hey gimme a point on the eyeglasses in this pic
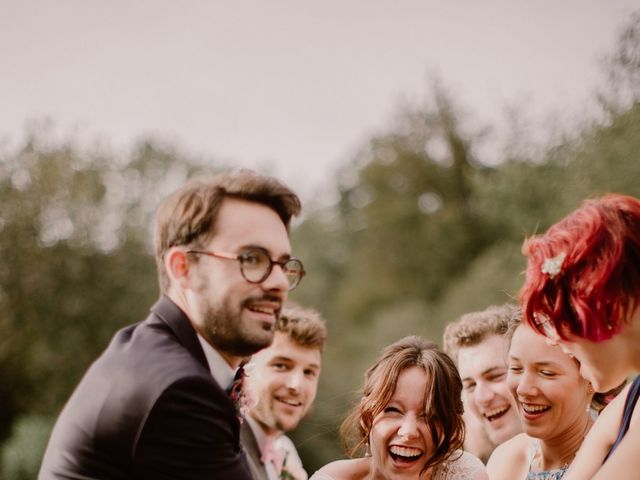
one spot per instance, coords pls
(256, 265)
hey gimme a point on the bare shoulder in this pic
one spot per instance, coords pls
(590, 457)
(598, 441)
(509, 458)
(513, 449)
(624, 459)
(350, 469)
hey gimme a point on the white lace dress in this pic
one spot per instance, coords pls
(459, 467)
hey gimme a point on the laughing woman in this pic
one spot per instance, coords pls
(409, 420)
(582, 291)
(553, 402)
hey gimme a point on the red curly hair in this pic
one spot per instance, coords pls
(595, 286)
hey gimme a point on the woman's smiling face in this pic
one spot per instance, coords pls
(550, 393)
(400, 436)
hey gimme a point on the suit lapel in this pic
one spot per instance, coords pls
(252, 449)
(181, 326)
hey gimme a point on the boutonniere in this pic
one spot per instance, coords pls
(240, 394)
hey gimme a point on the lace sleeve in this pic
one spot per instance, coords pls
(462, 467)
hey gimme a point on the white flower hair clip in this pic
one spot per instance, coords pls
(553, 266)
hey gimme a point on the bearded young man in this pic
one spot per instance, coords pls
(154, 405)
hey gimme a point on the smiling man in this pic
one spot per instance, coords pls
(282, 381)
(477, 344)
(155, 404)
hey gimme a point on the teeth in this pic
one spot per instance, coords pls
(530, 408)
(293, 403)
(268, 311)
(496, 411)
(405, 451)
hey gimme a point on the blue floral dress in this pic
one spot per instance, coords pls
(555, 474)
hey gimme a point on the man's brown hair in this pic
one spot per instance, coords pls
(305, 326)
(473, 328)
(188, 216)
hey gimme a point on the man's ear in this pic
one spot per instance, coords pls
(177, 266)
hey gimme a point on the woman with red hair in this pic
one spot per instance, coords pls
(582, 291)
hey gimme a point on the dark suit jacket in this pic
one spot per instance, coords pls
(148, 408)
(253, 452)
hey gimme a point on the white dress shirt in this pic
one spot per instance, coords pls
(218, 366)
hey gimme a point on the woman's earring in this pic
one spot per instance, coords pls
(367, 452)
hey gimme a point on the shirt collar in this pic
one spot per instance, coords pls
(258, 432)
(218, 366)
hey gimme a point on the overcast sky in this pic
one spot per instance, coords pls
(293, 85)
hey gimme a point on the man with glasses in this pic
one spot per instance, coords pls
(161, 401)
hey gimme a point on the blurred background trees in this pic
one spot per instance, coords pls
(421, 232)
(77, 265)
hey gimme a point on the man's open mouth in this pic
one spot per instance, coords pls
(496, 413)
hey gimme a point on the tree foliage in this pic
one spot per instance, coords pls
(74, 230)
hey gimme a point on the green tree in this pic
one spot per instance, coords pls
(21, 456)
(77, 263)
(410, 224)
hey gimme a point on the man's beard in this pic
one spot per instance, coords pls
(224, 330)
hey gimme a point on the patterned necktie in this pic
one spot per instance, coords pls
(235, 391)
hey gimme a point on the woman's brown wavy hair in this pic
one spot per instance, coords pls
(442, 399)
